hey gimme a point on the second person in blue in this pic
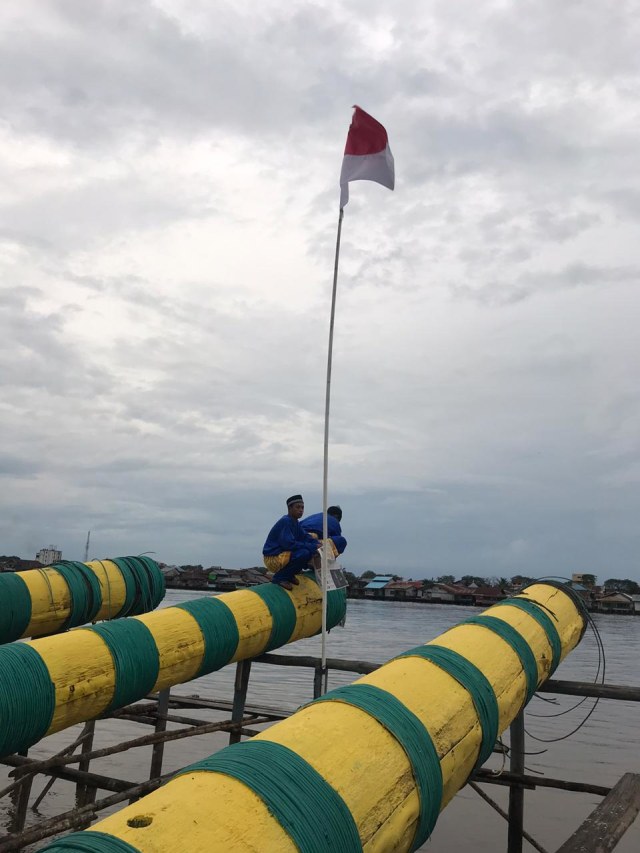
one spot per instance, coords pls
(313, 524)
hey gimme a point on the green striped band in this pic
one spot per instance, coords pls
(312, 813)
(412, 736)
(517, 643)
(15, 607)
(27, 698)
(89, 841)
(475, 682)
(283, 613)
(219, 631)
(144, 585)
(135, 656)
(336, 606)
(152, 580)
(130, 588)
(84, 591)
(544, 621)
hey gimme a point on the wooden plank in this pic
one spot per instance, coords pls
(531, 782)
(86, 793)
(106, 783)
(362, 667)
(243, 670)
(146, 740)
(178, 701)
(609, 821)
(516, 792)
(157, 752)
(585, 688)
(21, 800)
(630, 693)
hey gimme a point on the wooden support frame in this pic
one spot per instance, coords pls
(161, 726)
(516, 791)
(20, 797)
(243, 671)
(86, 793)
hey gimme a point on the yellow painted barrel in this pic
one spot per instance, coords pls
(369, 766)
(49, 684)
(68, 593)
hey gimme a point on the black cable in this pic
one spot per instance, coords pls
(507, 750)
(601, 663)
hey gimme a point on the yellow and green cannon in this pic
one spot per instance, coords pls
(49, 684)
(369, 766)
(46, 601)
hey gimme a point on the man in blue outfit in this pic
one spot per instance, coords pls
(288, 548)
(313, 524)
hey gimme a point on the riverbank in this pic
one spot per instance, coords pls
(471, 601)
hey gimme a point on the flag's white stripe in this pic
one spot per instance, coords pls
(377, 167)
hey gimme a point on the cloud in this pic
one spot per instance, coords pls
(167, 231)
(576, 275)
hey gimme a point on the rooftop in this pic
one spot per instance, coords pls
(379, 582)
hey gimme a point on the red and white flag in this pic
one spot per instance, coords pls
(367, 156)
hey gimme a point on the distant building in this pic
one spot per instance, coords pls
(402, 590)
(616, 602)
(483, 596)
(443, 593)
(584, 578)
(375, 587)
(357, 586)
(15, 564)
(47, 556)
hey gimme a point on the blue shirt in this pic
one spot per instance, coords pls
(287, 535)
(313, 524)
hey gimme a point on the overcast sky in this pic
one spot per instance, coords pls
(168, 209)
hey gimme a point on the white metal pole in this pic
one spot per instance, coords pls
(325, 478)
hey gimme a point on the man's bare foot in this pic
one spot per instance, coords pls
(285, 584)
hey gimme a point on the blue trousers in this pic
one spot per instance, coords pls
(293, 567)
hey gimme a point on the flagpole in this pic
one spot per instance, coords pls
(325, 477)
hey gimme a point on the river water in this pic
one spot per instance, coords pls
(604, 748)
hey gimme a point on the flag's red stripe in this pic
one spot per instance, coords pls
(366, 135)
